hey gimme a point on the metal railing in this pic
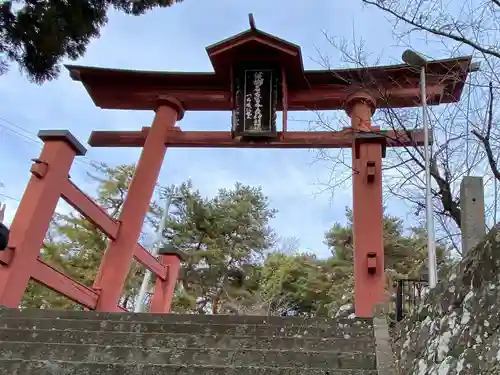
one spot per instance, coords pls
(410, 294)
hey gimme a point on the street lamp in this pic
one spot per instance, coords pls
(139, 307)
(414, 59)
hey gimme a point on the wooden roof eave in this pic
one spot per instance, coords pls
(125, 76)
(221, 54)
(386, 75)
(435, 68)
(266, 38)
(130, 89)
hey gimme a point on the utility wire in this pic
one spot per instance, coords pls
(32, 137)
(9, 197)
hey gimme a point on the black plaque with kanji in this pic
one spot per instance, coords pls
(256, 98)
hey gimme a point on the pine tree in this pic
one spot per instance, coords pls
(296, 284)
(222, 237)
(37, 35)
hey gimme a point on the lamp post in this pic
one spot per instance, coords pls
(414, 59)
(139, 306)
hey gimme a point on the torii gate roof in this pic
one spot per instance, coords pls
(392, 86)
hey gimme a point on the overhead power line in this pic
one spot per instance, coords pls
(29, 136)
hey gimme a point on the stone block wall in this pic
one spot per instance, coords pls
(457, 330)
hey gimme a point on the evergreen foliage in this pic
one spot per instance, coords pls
(38, 34)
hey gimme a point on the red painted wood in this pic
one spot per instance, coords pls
(368, 234)
(221, 139)
(397, 86)
(54, 279)
(32, 220)
(6, 256)
(88, 208)
(368, 231)
(325, 98)
(118, 257)
(145, 258)
(164, 289)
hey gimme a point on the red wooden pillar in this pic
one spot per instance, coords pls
(49, 174)
(367, 208)
(118, 257)
(164, 289)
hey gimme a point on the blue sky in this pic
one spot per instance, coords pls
(175, 39)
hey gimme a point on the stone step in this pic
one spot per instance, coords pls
(339, 330)
(172, 340)
(183, 318)
(23, 367)
(184, 356)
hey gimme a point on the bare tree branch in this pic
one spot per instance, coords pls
(485, 139)
(466, 142)
(440, 32)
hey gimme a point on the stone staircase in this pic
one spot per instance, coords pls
(48, 342)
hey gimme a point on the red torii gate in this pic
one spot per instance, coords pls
(255, 75)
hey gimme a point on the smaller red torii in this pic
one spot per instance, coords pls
(255, 75)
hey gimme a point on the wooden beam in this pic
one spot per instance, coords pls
(54, 279)
(327, 97)
(221, 139)
(325, 90)
(6, 256)
(88, 208)
(324, 97)
(145, 258)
